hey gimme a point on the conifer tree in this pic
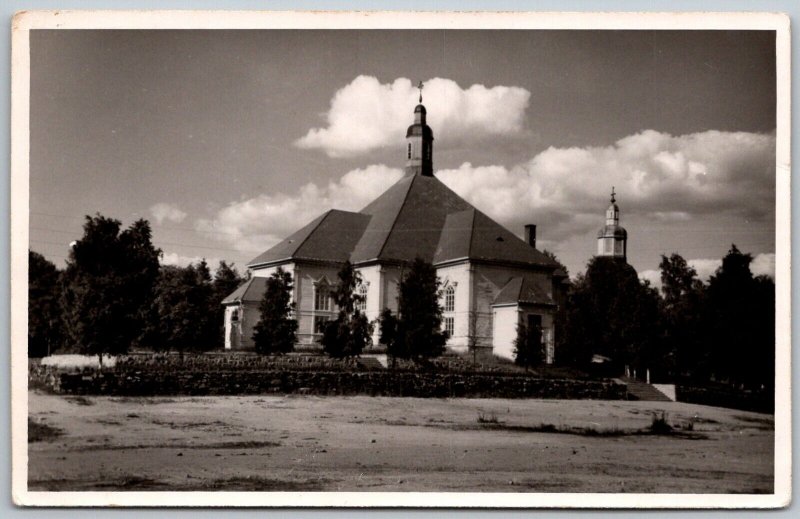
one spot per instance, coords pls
(276, 330)
(419, 335)
(351, 331)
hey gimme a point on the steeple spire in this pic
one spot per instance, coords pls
(612, 239)
(419, 142)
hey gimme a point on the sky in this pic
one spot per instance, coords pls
(228, 141)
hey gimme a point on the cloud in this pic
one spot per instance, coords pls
(255, 224)
(179, 260)
(366, 114)
(657, 176)
(762, 265)
(163, 212)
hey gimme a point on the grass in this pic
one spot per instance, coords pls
(487, 418)
(39, 432)
(79, 400)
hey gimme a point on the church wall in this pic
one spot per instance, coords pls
(489, 280)
(305, 277)
(505, 322)
(504, 330)
(382, 292)
(457, 276)
(239, 334)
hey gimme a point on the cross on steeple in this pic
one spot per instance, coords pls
(613, 199)
(420, 86)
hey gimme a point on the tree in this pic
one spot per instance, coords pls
(182, 304)
(681, 311)
(226, 280)
(351, 331)
(44, 313)
(107, 288)
(528, 350)
(276, 330)
(613, 314)
(739, 322)
(418, 335)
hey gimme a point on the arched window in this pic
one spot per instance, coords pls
(449, 299)
(322, 298)
(235, 315)
(409, 150)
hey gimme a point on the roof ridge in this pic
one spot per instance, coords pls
(397, 216)
(325, 215)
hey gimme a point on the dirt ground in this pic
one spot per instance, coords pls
(308, 443)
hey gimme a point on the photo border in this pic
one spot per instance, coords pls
(26, 21)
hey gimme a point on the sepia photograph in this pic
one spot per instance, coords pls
(400, 259)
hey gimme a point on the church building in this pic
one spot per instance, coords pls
(491, 280)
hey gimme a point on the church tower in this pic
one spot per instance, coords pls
(419, 142)
(612, 239)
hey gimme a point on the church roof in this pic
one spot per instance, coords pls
(251, 290)
(416, 217)
(473, 235)
(407, 220)
(329, 237)
(520, 290)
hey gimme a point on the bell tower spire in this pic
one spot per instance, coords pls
(419, 142)
(612, 239)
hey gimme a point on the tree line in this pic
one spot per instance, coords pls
(114, 295)
(722, 330)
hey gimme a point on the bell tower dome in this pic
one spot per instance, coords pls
(419, 142)
(612, 239)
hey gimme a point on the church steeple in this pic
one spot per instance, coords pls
(419, 142)
(612, 239)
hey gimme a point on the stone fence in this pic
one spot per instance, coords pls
(123, 381)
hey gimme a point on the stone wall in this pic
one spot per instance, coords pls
(135, 380)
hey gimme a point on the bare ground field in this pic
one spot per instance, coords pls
(309, 443)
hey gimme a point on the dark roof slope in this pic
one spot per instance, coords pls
(407, 220)
(525, 291)
(471, 234)
(330, 237)
(251, 290)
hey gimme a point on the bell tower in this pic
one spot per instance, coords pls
(612, 239)
(419, 142)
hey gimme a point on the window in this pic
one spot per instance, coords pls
(361, 306)
(449, 299)
(319, 323)
(322, 299)
(449, 325)
(235, 315)
(409, 150)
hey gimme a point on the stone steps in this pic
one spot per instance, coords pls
(642, 391)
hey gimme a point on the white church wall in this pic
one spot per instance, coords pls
(457, 276)
(306, 277)
(504, 330)
(239, 334)
(382, 292)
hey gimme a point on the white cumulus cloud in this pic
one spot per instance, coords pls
(164, 212)
(179, 260)
(656, 176)
(367, 114)
(255, 224)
